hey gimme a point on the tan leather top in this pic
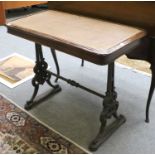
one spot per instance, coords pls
(94, 35)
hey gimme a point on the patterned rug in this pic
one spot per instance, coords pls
(20, 133)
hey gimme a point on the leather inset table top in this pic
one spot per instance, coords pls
(95, 36)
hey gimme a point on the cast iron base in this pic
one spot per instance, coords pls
(33, 103)
(106, 133)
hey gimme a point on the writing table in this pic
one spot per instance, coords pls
(98, 41)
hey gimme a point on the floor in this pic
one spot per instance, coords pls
(75, 113)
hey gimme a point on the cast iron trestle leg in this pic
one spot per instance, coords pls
(56, 63)
(42, 75)
(110, 106)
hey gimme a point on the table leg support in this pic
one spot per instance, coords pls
(42, 75)
(110, 106)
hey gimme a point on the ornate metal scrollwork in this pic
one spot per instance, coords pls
(110, 107)
(42, 75)
(110, 104)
